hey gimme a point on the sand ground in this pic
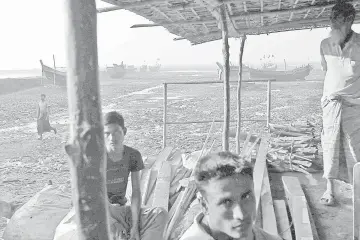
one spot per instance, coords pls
(27, 164)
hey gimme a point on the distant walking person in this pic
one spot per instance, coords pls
(340, 59)
(43, 124)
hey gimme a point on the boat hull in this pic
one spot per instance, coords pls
(48, 73)
(116, 72)
(291, 75)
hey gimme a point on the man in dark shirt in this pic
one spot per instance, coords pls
(144, 224)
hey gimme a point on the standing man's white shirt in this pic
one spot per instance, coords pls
(342, 68)
(197, 232)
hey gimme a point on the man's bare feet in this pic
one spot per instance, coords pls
(328, 197)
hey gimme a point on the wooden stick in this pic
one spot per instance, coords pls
(86, 143)
(226, 55)
(356, 201)
(238, 126)
(54, 69)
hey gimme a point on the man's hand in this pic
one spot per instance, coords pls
(134, 234)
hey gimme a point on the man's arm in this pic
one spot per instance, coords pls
(135, 199)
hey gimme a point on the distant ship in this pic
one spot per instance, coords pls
(116, 71)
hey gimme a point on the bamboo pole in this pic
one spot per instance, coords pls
(268, 105)
(54, 69)
(86, 143)
(238, 126)
(226, 55)
(165, 116)
(42, 72)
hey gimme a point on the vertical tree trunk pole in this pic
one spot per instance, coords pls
(54, 69)
(225, 38)
(238, 126)
(86, 143)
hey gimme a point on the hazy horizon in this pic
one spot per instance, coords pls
(43, 34)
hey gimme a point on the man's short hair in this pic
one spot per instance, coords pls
(344, 9)
(43, 95)
(220, 165)
(114, 118)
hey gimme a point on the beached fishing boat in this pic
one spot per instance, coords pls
(156, 67)
(50, 73)
(298, 73)
(116, 71)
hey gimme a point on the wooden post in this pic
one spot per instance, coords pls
(86, 143)
(225, 38)
(165, 115)
(268, 105)
(42, 72)
(356, 201)
(238, 126)
(54, 69)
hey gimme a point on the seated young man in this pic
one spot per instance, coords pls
(128, 221)
(225, 184)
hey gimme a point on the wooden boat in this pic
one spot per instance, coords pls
(116, 71)
(298, 73)
(49, 73)
(143, 68)
(156, 67)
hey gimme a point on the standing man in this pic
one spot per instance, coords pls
(43, 112)
(340, 59)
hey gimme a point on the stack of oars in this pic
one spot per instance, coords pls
(294, 148)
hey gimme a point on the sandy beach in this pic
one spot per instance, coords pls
(27, 164)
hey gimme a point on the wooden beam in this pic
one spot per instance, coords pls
(246, 18)
(259, 168)
(226, 55)
(238, 100)
(267, 206)
(162, 188)
(282, 220)
(242, 16)
(292, 13)
(86, 143)
(108, 9)
(308, 11)
(261, 10)
(134, 4)
(356, 201)
(298, 208)
(277, 27)
(279, 7)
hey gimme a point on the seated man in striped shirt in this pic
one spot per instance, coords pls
(225, 183)
(127, 221)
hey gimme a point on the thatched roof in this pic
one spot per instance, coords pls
(197, 20)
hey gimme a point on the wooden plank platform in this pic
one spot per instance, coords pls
(163, 184)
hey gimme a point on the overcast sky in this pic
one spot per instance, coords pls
(33, 30)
